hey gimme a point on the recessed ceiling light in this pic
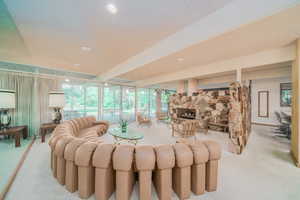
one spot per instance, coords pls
(76, 65)
(67, 80)
(112, 8)
(105, 84)
(85, 48)
(180, 59)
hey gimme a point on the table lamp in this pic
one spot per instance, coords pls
(56, 101)
(7, 102)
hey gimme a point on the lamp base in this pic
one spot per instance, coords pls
(5, 119)
(57, 116)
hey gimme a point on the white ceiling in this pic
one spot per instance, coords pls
(145, 38)
(54, 31)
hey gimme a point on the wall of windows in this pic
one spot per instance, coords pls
(112, 103)
(80, 101)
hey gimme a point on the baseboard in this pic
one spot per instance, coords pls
(295, 160)
(14, 174)
(263, 124)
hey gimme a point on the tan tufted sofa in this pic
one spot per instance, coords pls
(83, 162)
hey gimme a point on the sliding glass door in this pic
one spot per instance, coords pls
(111, 103)
(92, 101)
(143, 101)
(128, 103)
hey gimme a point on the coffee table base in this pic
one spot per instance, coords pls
(119, 140)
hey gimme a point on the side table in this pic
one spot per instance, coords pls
(45, 128)
(16, 131)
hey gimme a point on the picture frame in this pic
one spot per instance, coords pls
(263, 104)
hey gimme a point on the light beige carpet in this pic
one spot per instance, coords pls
(264, 171)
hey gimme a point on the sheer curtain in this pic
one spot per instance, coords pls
(31, 99)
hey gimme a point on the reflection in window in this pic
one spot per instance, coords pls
(285, 94)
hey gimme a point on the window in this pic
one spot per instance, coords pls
(80, 101)
(128, 103)
(285, 94)
(165, 99)
(111, 103)
(92, 101)
(114, 103)
(143, 104)
(74, 101)
(152, 101)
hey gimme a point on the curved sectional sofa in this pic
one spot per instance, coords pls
(83, 162)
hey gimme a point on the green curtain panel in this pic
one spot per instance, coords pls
(31, 99)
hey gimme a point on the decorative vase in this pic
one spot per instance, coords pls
(124, 129)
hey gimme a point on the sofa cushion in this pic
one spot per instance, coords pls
(102, 157)
(71, 148)
(200, 152)
(165, 157)
(144, 157)
(123, 157)
(94, 130)
(61, 144)
(214, 150)
(183, 155)
(84, 154)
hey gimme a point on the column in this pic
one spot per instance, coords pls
(180, 87)
(192, 86)
(295, 139)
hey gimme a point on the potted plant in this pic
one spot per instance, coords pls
(123, 125)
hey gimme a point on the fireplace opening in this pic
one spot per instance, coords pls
(186, 113)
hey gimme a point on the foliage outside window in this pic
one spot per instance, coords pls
(165, 99)
(285, 94)
(115, 102)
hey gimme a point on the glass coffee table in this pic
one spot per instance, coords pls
(130, 136)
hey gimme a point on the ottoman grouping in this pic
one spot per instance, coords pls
(83, 162)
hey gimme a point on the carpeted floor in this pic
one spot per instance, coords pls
(9, 158)
(264, 171)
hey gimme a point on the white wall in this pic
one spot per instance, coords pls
(273, 86)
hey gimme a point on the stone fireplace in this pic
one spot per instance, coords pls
(186, 113)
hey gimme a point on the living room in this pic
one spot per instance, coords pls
(149, 100)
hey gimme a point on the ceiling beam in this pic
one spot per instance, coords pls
(232, 16)
(279, 55)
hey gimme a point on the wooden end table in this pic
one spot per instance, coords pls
(45, 128)
(16, 131)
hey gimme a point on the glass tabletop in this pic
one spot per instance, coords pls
(129, 135)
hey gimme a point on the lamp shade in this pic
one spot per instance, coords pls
(56, 99)
(7, 99)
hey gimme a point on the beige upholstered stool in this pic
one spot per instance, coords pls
(104, 173)
(199, 167)
(214, 150)
(165, 161)
(182, 171)
(122, 163)
(71, 179)
(52, 144)
(145, 163)
(61, 162)
(86, 172)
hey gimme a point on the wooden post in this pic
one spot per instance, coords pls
(181, 87)
(295, 139)
(192, 86)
